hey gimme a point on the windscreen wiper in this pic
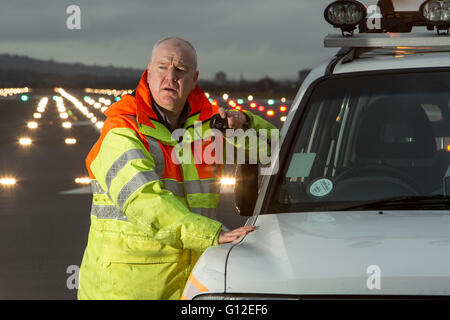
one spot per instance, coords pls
(406, 202)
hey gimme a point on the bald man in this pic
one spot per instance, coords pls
(151, 217)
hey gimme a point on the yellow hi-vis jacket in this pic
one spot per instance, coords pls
(150, 216)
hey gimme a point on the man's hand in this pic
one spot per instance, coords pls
(236, 119)
(235, 235)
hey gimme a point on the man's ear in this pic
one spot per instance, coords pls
(148, 69)
(196, 77)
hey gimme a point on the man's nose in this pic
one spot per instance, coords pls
(171, 75)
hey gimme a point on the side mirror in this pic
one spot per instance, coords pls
(246, 188)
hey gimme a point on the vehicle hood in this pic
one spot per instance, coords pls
(353, 252)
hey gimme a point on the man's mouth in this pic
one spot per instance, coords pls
(170, 90)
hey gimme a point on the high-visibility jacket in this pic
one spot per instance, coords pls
(150, 216)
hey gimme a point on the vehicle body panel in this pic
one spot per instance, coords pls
(330, 253)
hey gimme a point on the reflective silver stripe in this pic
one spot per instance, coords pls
(121, 162)
(108, 212)
(135, 183)
(96, 188)
(202, 186)
(157, 155)
(174, 186)
(206, 212)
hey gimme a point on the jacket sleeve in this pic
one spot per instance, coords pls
(128, 173)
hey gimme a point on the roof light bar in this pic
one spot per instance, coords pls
(345, 14)
(437, 12)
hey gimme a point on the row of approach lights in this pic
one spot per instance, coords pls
(109, 92)
(252, 104)
(5, 92)
(83, 109)
(347, 14)
(26, 141)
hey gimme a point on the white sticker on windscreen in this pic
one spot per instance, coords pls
(321, 187)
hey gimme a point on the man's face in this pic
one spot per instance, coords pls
(171, 74)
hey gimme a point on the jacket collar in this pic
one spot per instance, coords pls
(140, 106)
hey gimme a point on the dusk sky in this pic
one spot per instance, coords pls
(250, 37)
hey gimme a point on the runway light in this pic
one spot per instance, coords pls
(83, 180)
(71, 140)
(270, 113)
(7, 181)
(270, 102)
(37, 115)
(283, 108)
(32, 124)
(225, 96)
(97, 105)
(228, 181)
(25, 141)
(448, 147)
(99, 124)
(261, 108)
(283, 118)
(67, 124)
(283, 99)
(250, 98)
(253, 105)
(232, 103)
(24, 97)
(240, 101)
(64, 115)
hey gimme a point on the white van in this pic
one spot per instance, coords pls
(360, 205)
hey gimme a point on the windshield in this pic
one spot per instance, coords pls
(367, 138)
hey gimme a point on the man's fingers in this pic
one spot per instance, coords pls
(226, 237)
(241, 230)
(235, 119)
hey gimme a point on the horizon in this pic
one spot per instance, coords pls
(229, 79)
